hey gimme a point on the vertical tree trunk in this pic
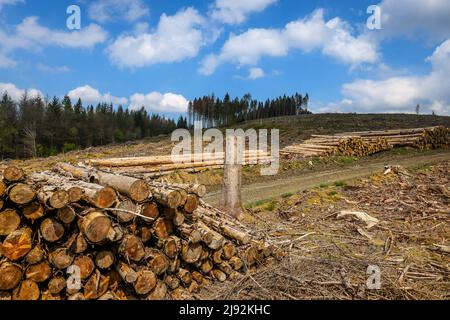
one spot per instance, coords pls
(231, 201)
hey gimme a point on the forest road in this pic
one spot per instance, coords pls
(274, 187)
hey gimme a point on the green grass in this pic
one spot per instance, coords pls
(323, 185)
(271, 206)
(333, 193)
(287, 195)
(340, 183)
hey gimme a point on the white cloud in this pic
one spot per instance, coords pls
(17, 93)
(87, 37)
(52, 69)
(158, 102)
(237, 11)
(176, 38)
(9, 2)
(334, 38)
(256, 73)
(89, 95)
(402, 93)
(427, 18)
(104, 11)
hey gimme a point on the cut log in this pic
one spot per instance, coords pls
(197, 277)
(40, 272)
(86, 266)
(35, 255)
(56, 285)
(191, 203)
(61, 258)
(229, 250)
(10, 275)
(172, 282)
(191, 252)
(77, 243)
(162, 228)
(172, 247)
(219, 275)
(21, 194)
(95, 226)
(176, 216)
(206, 266)
(51, 230)
(217, 256)
(125, 212)
(174, 265)
(145, 233)
(126, 272)
(9, 222)
(185, 277)
(190, 233)
(47, 296)
(167, 197)
(150, 209)
(210, 237)
(13, 174)
(146, 282)
(33, 211)
(159, 293)
(96, 286)
(66, 215)
(226, 268)
(75, 194)
(17, 244)
(104, 259)
(236, 263)
(27, 290)
(158, 262)
(132, 248)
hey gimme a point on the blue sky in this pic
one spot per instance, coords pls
(160, 54)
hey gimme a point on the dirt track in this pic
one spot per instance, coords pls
(277, 187)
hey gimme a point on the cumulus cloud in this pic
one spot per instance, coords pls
(428, 18)
(87, 37)
(256, 73)
(158, 102)
(237, 11)
(402, 93)
(333, 37)
(104, 11)
(16, 93)
(176, 38)
(89, 95)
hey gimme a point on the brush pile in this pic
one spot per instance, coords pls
(79, 233)
(366, 143)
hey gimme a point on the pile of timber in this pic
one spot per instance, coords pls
(156, 166)
(79, 233)
(365, 143)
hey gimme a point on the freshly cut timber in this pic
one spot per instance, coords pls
(17, 244)
(21, 194)
(51, 230)
(33, 211)
(95, 226)
(27, 290)
(163, 246)
(13, 174)
(10, 275)
(136, 189)
(9, 222)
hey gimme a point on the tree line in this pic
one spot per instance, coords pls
(38, 127)
(35, 127)
(216, 112)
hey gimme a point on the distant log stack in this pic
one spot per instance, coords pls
(153, 167)
(79, 233)
(366, 143)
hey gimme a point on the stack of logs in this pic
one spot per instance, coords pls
(155, 166)
(365, 143)
(78, 233)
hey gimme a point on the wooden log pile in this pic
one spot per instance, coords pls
(78, 233)
(156, 166)
(366, 143)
